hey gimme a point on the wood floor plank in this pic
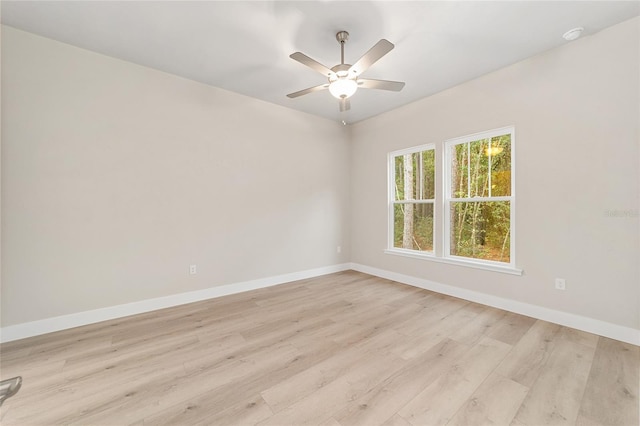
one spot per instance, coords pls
(330, 422)
(339, 393)
(433, 332)
(529, 356)
(338, 350)
(578, 336)
(479, 327)
(612, 392)
(495, 402)
(396, 420)
(555, 396)
(374, 322)
(160, 395)
(305, 383)
(92, 392)
(247, 412)
(510, 328)
(385, 399)
(440, 308)
(439, 401)
(34, 373)
(197, 406)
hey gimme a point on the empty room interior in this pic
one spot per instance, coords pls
(320, 212)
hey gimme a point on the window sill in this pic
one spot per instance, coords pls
(456, 261)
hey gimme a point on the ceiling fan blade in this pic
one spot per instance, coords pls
(345, 105)
(309, 90)
(311, 63)
(380, 49)
(366, 83)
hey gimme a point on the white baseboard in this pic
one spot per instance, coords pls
(602, 328)
(49, 325)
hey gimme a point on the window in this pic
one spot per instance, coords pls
(469, 222)
(478, 200)
(412, 194)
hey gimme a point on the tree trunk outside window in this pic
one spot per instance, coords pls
(407, 234)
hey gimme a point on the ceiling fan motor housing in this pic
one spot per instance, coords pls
(339, 71)
(342, 36)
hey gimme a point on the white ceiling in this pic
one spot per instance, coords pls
(245, 46)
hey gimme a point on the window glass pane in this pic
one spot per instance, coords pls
(406, 176)
(500, 153)
(481, 230)
(413, 226)
(399, 173)
(428, 159)
(415, 175)
(409, 177)
(470, 164)
(470, 168)
(460, 170)
(479, 168)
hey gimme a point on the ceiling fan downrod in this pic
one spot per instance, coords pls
(342, 37)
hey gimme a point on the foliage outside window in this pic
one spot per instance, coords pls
(413, 198)
(479, 197)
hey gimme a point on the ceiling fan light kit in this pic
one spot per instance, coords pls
(343, 87)
(344, 78)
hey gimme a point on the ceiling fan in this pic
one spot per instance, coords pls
(344, 79)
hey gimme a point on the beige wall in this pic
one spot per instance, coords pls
(116, 177)
(575, 111)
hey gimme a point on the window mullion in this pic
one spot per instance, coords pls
(431, 201)
(481, 199)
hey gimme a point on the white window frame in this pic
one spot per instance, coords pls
(391, 172)
(448, 199)
(442, 206)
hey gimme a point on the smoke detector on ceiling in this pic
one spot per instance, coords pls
(573, 34)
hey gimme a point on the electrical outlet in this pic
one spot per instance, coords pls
(193, 269)
(560, 284)
(338, 249)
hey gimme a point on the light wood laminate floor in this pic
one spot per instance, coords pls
(342, 349)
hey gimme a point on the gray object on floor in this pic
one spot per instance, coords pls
(9, 387)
